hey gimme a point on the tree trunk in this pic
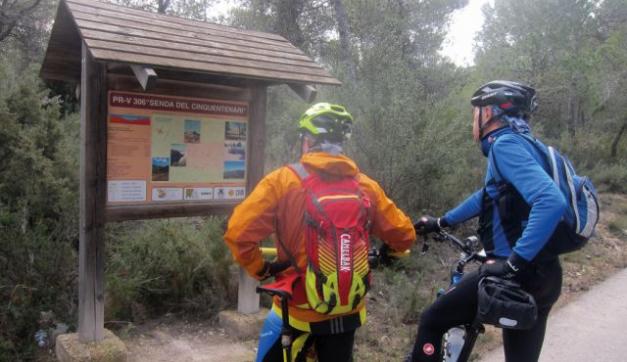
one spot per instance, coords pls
(163, 6)
(616, 140)
(572, 110)
(343, 28)
(288, 12)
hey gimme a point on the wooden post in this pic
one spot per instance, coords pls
(93, 168)
(247, 297)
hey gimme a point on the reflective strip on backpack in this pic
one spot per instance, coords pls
(553, 160)
(573, 195)
(300, 170)
(338, 197)
(592, 216)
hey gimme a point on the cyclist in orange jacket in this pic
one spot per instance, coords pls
(277, 206)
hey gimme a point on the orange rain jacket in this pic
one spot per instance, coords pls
(277, 205)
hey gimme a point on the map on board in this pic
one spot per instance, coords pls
(163, 148)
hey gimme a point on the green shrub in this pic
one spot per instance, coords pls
(167, 265)
(610, 178)
(38, 211)
(39, 274)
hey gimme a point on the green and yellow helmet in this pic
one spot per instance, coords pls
(326, 121)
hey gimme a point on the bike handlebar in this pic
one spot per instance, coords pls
(466, 245)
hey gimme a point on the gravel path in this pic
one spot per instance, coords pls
(187, 342)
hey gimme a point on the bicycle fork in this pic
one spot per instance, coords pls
(461, 341)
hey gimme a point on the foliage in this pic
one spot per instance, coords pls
(38, 209)
(611, 178)
(192, 9)
(167, 266)
(412, 134)
(24, 27)
(573, 53)
(405, 97)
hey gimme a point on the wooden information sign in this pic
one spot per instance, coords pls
(172, 121)
(174, 149)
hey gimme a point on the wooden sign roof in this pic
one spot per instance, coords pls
(122, 35)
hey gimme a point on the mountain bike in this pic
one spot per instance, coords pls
(459, 341)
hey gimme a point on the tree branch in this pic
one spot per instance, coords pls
(614, 148)
(9, 21)
(345, 45)
(163, 6)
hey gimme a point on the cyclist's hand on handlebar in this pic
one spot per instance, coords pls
(271, 269)
(385, 258)
(504, 268)
(497, 268)
(429, 224)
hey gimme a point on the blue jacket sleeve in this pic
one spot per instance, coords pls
(517, 166)
(468, 209)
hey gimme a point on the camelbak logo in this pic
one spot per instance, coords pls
(345, 256)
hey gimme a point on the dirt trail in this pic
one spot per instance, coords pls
(169, 341)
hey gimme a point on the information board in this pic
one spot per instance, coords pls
(165, 148)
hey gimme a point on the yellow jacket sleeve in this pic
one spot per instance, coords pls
(389, 222)
(252, 221)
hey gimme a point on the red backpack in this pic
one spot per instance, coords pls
(337, 219)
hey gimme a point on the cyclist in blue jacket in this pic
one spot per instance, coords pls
(518, 207)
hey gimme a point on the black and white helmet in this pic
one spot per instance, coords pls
(511, 97)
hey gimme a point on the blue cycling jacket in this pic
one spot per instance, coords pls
(521, 165)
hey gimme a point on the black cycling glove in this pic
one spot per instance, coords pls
(271, 269)
(384, 255)
(504, 268)
(429, 224)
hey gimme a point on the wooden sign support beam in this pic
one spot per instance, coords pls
(247, 297)
(93, 157)
(308, 93)
(146, 76)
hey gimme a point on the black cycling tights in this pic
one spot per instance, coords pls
(459, 305)
(329, 348)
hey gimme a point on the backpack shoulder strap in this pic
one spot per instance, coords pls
(551, 157)
(299, 169)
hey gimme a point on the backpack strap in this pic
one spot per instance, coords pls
(553, 164)
(300, 170)
(550, 158)
(290, 257)
(555, 175)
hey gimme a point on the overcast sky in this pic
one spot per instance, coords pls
(465, 23)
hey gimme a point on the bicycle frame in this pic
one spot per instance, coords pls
(459, 341)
